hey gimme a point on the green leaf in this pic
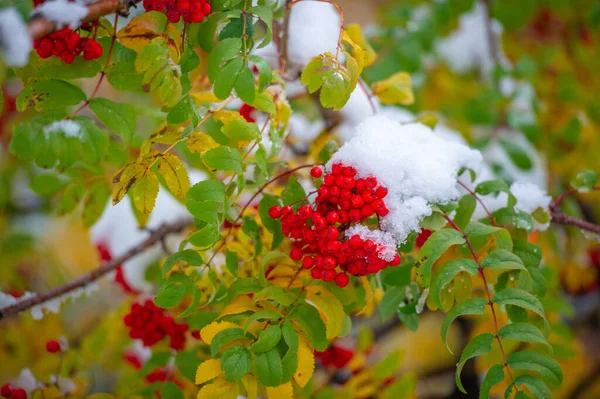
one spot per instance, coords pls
(49, 94)
(523, 332)
(390, 302)
(433, 248)
(226, 78)
(46, 184)
(244, 85)
(187, 363)
(236, 363)
(289, 365)
(480, 345)
(223, 51)
(118, 117)
(240, 130)
(515, 218)
(494, 376)
(170, 294)
(536, 386)
(401, 388)
(224, 158)
(268, 367)
(585, 181)
(290, 335)
(517, 154)
(309, 319)
(171, 391)
(224, 337)
(189, 256)
(265, 74)
(207, 190)
(520, 298)
(503, 260)
(472, 306)
(266, 15)
(278, 294)
(206, 236)
(189, 60)
(267, 339)
(466, 207)
(500, 235)
(266, 314)
(232, 261)
(446, 273)
(548, 368)
(292, 193)
(183, 111)
(530, 254)
(492, 187)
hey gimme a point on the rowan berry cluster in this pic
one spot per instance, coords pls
(335, 356)
(190, 11)
(150, 324)
(319, 230)
(67, 44)
(10, 392)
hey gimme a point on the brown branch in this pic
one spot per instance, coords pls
(491, 38)
(39, 26)
(155, 237)
(561, 218)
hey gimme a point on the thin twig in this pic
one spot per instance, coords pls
(155, 237)
(561, 218)
(40, 26)
(491, 37)
(478, 198)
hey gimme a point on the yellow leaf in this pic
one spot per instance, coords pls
(241, 304)
(208, 370)
(358, 362)
(329, 307)
(429, 120)
(209, 331)
(306, 362)
(283, 111)
(141, 30)
(283, 391)
(123, 179)
(358, 53)
(145, 192)
(355, 33)
(199, 143)
(204, 97)
(251, 385)
(175, 174)
(225, 116)
(369, 298)
(397, 89)
(220, 389)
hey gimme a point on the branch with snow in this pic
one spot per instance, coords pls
(79, 283)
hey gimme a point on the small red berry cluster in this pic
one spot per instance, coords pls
(335, 356)
(190, 10)
(10, 392)
(149, 323)
(318, 231)
(67, 44)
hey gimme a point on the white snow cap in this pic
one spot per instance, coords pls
(15, 41)
(386, 246)
(418, 168)
(529, 198)
(468, 48)
(63, 12)
(69, 127)
(314, 28)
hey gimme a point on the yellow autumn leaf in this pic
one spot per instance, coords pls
(209, 331)
(251, 385)
(357, 36)
(199, 143)
(143, 29)
(283, 391)
(358, 362)
(283, 111)
(429, 120)
(145, 192)
(367, 310)
(220, 389)
(204, 97)
(397, 89)
(329, 307)
(241, 304)
(306, 361)
(208, 370)
(225, 116)
(175, 174)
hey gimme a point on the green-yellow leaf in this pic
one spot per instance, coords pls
(145, 192)
(175, 175)
(397, 89)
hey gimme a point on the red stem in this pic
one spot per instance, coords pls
(463, 185)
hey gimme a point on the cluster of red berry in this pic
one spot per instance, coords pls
(335, 356)
(9, 392)
(149, 323)
(67, 44)
(190, 10)
(318, 231)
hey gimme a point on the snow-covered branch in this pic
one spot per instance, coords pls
(155, 237)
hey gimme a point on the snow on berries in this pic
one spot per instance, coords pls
(327, 237)
(191, 11)
(150, 324)
(417, 168)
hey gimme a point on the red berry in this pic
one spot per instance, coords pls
(333, 217)
(341, 280)
(53, 346)
(286, 210)
(6, 391)
(308, 262)
(196, 334)
(367, 210)
(395, 261)
(357, 201)
(316, 172)
(296, 254)
(327, 275)
(381, 192)
(337, 169)
(173, 16)
(275, 212)
(206, 9)
(316, 273)
(18, 394)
